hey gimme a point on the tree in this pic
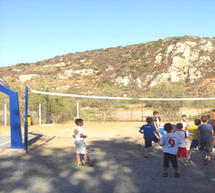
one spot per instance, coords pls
(105, 107)
(169, 109)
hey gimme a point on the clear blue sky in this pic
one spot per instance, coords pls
(33, 30)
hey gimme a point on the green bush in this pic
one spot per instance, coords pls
(118, 70)
(167, 90)
(132, 66)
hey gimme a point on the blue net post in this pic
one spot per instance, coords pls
(26, 120)
(15, 126)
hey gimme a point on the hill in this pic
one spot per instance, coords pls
(132, 69)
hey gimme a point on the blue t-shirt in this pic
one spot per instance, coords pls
(148, 130)
(205, 131)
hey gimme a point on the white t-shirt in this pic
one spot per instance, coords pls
(157, 121)
(185, 124)
(77, 132)
(171, 142)
(182, 134)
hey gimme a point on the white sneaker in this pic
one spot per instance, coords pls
(212, 179)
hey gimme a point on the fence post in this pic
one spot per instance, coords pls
(142, 112)
(77, 111)
(131, 114)
(40, 114)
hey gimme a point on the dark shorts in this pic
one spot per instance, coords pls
(170, 158)
(194, 144)
(148, 141)
(205, 145)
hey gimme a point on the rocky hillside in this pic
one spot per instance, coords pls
(133, 69)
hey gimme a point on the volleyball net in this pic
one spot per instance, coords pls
(53, 107)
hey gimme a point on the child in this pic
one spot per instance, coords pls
(182, 151)
(185, 123)
(170, 141)
(80, 146)
(205, 136)
(149, 132)
(195, 140)
(157, 122)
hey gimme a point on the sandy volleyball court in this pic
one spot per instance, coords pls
(117, 151)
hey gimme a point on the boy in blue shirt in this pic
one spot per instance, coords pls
(149, 131)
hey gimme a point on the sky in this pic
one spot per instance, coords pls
(34, 30)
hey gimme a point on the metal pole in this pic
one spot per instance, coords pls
(131, 114)
(47, 109)
(40, 113)
(26, 120)
(78, 113)
(5, 115)
(142, 112)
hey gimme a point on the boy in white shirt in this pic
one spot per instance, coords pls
(185, 122)
(170, 141)
(80, 146)
(182, 150)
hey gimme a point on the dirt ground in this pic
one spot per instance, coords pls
(115, 148)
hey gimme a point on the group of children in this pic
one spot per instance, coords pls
(174, 139)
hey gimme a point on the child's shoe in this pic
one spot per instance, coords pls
(88, 165)
(80, 165)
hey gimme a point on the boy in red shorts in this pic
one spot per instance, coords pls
(182, 151)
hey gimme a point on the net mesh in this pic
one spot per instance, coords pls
(60, 108)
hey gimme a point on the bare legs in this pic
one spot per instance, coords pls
(78, 157)
(204, 154)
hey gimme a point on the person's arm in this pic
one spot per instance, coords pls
(191, 128)
(157, 134)
(212, 140)
(185, 135)
(154, 123)
(83, 136)
(212, 133)
(187, 124)
(162, 141)
(141, 131)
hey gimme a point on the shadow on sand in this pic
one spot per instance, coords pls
(120, 168)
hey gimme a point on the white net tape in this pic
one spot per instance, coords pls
(120, 98)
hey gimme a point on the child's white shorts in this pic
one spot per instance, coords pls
(80, 147)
